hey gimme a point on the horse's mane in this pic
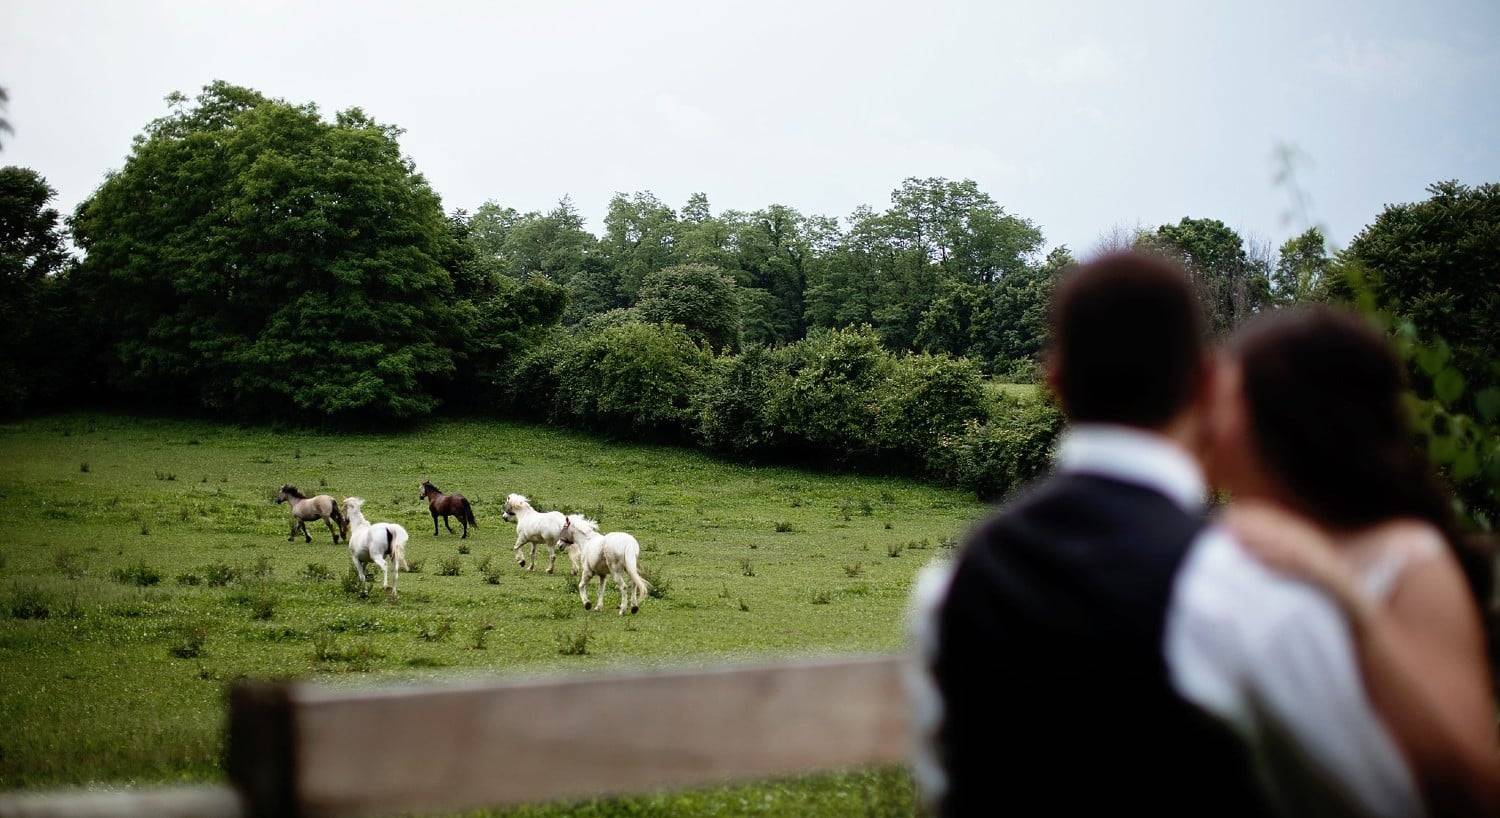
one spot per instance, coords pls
(591, 526)
(292, 490)
(428, 484)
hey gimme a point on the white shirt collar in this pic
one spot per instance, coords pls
(1133, 456)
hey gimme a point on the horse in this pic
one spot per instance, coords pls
(441, 504)
(535, 527)
(382, 543)
(616, 553)
(304, 508)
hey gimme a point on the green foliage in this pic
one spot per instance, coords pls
(828, 401)
(1302, 267)
(1436, 263)
(632, 379)
(1232, 285)
(32, 250)
(927, 398)
(139, 574)
(251, 256)
(698, 297)
(999, 456)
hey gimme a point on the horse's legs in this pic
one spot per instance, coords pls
(359, 569)
(464, 521)
(603, 589)
(583, 589)
(448, 525)
(302, 524)
(328, 521)
(434, 522)
(520, 557)
(622, 587)
(292, 535)
(552, 562)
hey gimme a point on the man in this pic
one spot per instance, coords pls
(1100, 649)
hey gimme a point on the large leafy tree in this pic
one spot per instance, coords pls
(700, 298)
(1437, 263)
(31, 252)
(1232, 285)
(253, 257)
(640, 237)
(1302, 266)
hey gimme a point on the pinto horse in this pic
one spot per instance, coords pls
(442, 505)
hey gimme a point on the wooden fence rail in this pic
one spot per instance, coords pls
(300, 749)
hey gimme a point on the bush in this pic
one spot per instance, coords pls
(633, 379)
(451, 567)
(190, 646)
(575, 643)
(30, 602)
(189, 580)
(699, 297)
(220, 574)
(997, 457)
(316, 572)
(829, 398)
(730, 408)
(927, 398)
(140, 575)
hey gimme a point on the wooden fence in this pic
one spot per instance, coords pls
(300, 749)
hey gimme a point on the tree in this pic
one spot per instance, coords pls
(1437, 263)
(701, 298)
(640, 237)
(1231, 286)
(31, 251)
(1301, 268)
(254, 258)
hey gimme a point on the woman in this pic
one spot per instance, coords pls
(1310, 436)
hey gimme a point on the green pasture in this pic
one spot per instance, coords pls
(143, 568)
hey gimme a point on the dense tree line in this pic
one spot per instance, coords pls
(256, 259)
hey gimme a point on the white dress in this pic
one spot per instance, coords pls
(1382, 554)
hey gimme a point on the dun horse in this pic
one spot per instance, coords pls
(441, 504)
(305, 509)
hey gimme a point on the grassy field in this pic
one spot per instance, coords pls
(145, 568)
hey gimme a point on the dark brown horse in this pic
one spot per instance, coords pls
(442, 505)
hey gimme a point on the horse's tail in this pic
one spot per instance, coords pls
(642, 587)
(395, 540)
(338, 518)
(469, 513)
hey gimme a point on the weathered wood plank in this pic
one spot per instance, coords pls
(177, 802)
(401, 749)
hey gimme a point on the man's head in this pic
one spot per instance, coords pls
(1127, 343)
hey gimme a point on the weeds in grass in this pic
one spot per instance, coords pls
(661, 584)
(316, 572)
(415, 566)
(743, 607)
(190, 645)
(488, 571)
(724, 592)
(358, 659)
(948, 542)
(561, 608)
(322, 482)
(219, 574)
(463, 548)
(428, 632)
(860, 589)
(783, 527)
(854, 569)
(797, 501)
(633, 498)
(888, 525)
(354, 586)
(575, 643)
(296, 454)
(84, 467)
(887, 498)
(822, 597)
(264, 567)
(145, 530)
(480, 638)
(747, 568)
(893, 550)
(846, 510)
(30, 602)
(66, 562)
(865, 509)
(140, 575)
(162, 475)
(189, 580)
(451, 567)
(918, 545)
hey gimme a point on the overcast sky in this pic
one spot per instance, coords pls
(1077, 115)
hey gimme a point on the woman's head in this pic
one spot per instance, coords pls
(1310, 412)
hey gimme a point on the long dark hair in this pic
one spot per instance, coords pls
(1328, 419)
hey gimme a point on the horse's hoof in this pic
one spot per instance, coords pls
(635, 608)
(585, 606)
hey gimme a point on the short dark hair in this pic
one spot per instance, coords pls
(1127, 341)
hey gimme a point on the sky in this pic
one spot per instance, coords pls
(1084, 117)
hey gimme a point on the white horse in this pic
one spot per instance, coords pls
(382, 543)
(537, 528)
(615, 554)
